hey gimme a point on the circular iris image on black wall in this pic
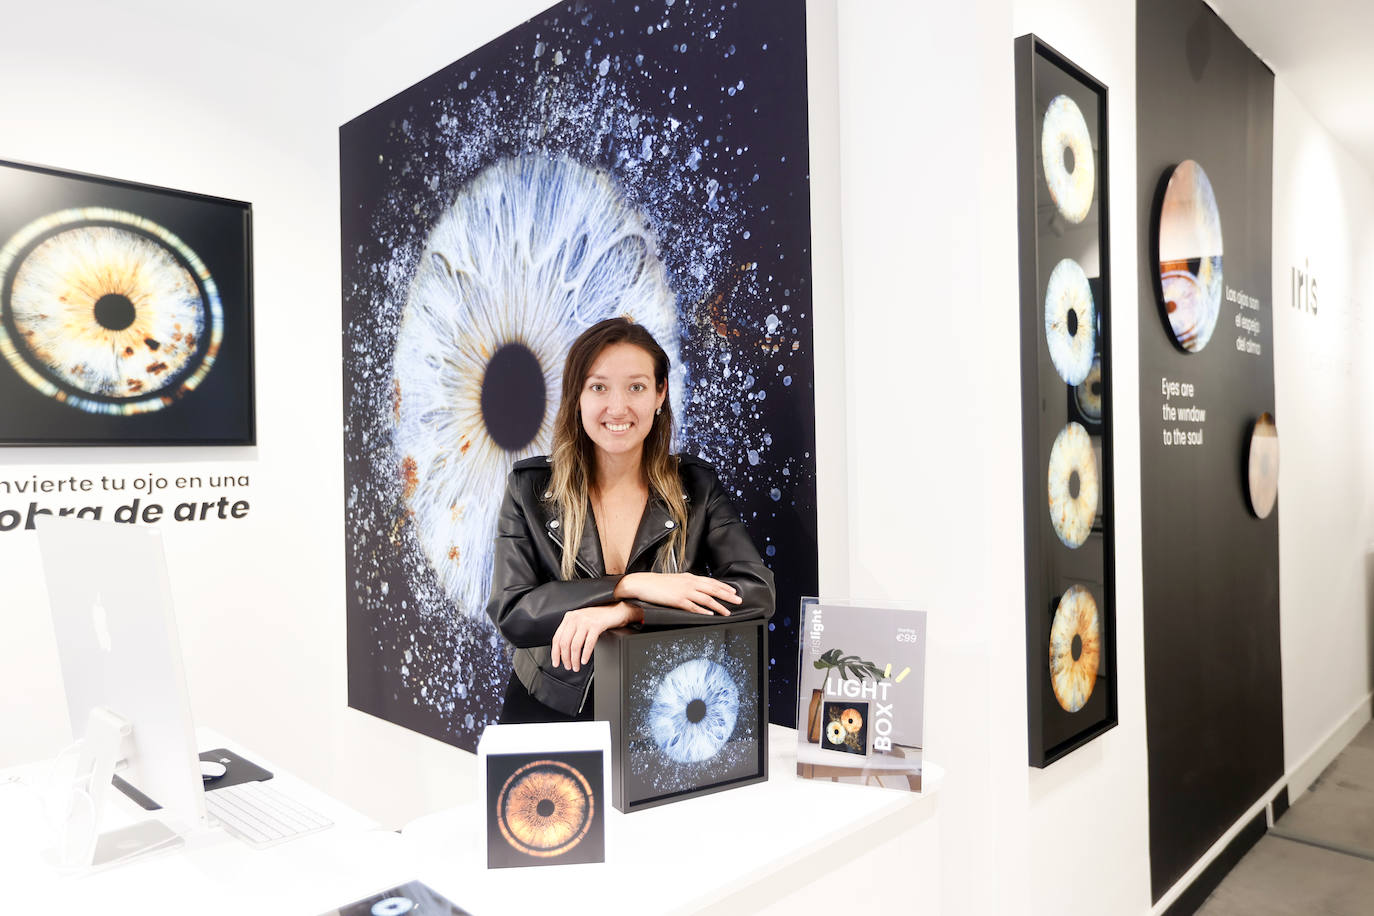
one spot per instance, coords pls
(1263, 466)
(1189, 256)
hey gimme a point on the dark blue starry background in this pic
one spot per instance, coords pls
(698, 111)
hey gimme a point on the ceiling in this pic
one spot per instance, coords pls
(1323, 50)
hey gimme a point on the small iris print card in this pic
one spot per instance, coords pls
(414, 897)
(544, 787)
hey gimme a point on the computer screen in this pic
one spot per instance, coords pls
(117, 642)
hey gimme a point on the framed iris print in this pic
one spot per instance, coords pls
(125, 313)
(688, 710)
(1066, 419)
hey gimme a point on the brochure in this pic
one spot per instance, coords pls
(860, 707)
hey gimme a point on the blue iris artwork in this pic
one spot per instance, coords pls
(646, 158)
(694, 711)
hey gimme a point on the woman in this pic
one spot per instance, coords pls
(612, 529)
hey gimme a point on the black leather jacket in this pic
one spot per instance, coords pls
(528, 599)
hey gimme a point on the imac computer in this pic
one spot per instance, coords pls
(125, 684)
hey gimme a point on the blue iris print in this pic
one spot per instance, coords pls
(393, 906)
(694, 711)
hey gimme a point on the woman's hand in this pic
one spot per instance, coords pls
(698, 594)
(576, 636)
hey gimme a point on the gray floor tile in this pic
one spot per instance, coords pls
(1338, 810)
(1365, 738)
(1284, 878)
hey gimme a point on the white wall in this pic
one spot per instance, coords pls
(928, 227)
(1107, 781)
(1324, 383)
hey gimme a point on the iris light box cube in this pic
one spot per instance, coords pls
(688, 710)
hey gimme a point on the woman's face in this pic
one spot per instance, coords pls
(618, 400)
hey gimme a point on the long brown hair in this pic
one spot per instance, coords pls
(574, 455)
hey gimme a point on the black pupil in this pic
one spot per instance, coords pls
(513, 397)
(545, 807)
(696, 710)
(114, 311)
(1074, 485)
(1073, 323)
(1068, 160)
(1096, 388)
(1077, 648)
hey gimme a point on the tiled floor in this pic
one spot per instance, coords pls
(1318, 860)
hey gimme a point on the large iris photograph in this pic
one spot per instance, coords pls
(692, 711)
(645, 159)
(125, 313)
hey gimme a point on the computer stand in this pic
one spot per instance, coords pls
(80, 843)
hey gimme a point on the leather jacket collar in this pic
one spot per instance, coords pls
(654, 527)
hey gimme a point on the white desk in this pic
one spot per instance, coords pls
(680, 857)
(213, 873)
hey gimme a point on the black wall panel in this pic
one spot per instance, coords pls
(1211, 587)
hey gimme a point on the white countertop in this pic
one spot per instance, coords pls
(675, 858)
(212, 874)
(679, 857)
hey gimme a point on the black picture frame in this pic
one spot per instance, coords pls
(631, 672)
(1058, 574)
(59, 230)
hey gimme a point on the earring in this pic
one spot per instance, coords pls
(658, 411)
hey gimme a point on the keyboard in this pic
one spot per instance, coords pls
(261, 816)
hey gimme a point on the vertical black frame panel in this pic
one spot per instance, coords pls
(1049, 404)
(1211, 630)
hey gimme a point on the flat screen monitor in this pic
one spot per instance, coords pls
(117, 643)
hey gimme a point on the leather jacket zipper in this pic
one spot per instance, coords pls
(577, 561)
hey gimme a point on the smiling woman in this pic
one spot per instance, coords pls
(611, 529)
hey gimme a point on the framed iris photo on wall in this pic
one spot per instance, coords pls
(125, 313)
(1066, 420)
